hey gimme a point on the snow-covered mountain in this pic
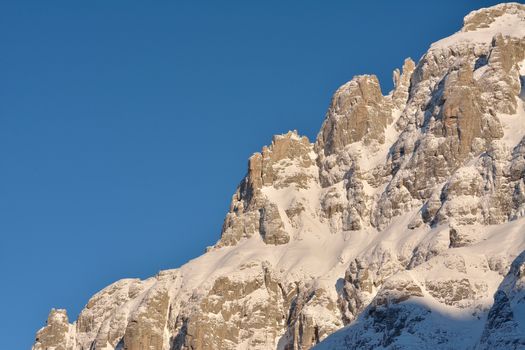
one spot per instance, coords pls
(400, 227)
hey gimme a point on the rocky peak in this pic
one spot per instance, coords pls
(55, 335)
(288, 162)
(460, 93)
(402, 83)
(483, 18)
(358, 112)
(285, 149)
(405, 215)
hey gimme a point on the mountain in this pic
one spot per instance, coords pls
(401, 226)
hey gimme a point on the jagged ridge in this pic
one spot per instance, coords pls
(383, 219)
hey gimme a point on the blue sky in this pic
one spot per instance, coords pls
(125, 126)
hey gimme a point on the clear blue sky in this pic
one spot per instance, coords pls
(125, 126)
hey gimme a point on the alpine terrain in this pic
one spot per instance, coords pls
(401, 226)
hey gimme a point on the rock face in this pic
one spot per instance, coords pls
(505, 327)
(358, 112)
(56, 334)
(287, 162)
(401, 221)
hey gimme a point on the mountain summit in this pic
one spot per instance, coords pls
(401, 226)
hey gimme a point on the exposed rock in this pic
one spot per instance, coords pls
(250, 210)
(399, 222)
(146, 325)
(505, 326)
(99, 321)
(357, 291)
(56, 334)
(357, 112)
(271, 225)
(401, 91)
(485, 17)
(452, 292)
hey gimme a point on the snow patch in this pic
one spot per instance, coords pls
(513, 125)
(512, 25)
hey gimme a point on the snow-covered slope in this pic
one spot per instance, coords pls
(394, 229)
(443, 303)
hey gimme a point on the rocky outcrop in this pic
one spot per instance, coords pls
(271, 225)
(505, 326)
(485, 17)
(357, 113)
(145, 329)
(56, 334)
(234, 310)
(253, 212)
(399, 222)
(458, 122)
(437, 305)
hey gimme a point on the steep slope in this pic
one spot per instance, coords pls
(505, 326)
(443, 302)
(399, 222)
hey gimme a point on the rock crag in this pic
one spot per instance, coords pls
(400, 227)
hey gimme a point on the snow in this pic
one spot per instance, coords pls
(318, 255)
(324, 257)
(507, 24)
(513, 125)
(467, 318)
(107, 347)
